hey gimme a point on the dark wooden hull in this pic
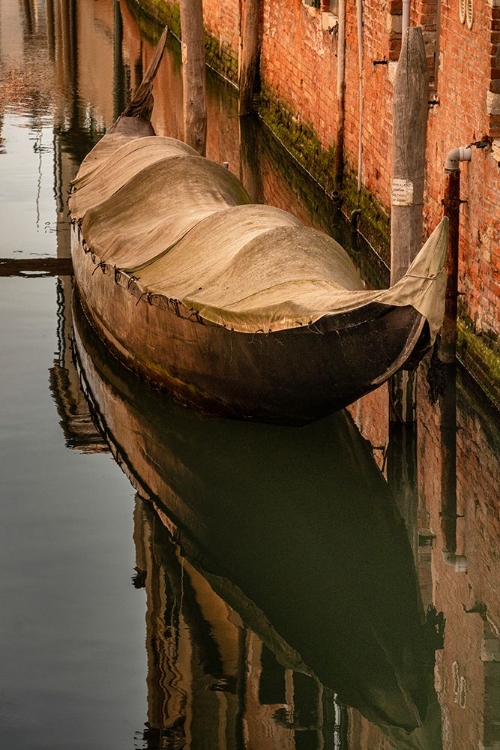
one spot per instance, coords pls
(293, 376)
(294, 528)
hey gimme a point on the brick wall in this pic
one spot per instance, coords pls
(464, 80)
(299, 68)
(469, 600)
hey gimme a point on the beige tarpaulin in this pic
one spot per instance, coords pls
(184, 227)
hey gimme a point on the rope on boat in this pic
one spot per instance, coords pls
(101, 265)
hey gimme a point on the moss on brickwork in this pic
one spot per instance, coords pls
(480, 355)
(221, 58)
(300, 139)
(374, 224)
(152, 16)
(302, 142)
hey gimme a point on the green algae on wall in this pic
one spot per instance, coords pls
(374, 224)
(480, 354)
(152, 16)
(300, 140)
(221, 58)
(304, 145)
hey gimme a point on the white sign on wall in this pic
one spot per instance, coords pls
(402, 193)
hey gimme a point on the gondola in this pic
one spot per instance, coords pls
(236, 309)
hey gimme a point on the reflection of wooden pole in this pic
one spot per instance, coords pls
(250, 171)
(410, 109)
(250, 37)
(402, 476)
(28, 18)
(193, 74)
(51, 29)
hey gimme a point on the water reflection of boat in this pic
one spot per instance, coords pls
(293, 527)
(238, 309)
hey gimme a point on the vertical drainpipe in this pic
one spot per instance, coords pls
(339, 154)
(359, 17)
(451, 202)
(447, 357)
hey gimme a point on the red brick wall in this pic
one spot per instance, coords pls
(464, 79)
(299, 68)
(460, 670)
(222, 18)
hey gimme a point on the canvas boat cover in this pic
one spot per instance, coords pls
(183, 227)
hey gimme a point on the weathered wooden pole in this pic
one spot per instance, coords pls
(410, 111)
(249, 54)
(193, 74)
(118, 66)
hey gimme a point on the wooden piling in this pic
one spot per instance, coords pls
(249, 54)
(410, 111)
(193, 74)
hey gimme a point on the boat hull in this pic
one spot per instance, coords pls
(289, 377)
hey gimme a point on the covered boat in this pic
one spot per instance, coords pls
(238, 309)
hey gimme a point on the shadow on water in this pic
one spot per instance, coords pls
(295, 529)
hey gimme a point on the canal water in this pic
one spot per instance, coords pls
(169, 581)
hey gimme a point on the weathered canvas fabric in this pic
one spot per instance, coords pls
(183, 227)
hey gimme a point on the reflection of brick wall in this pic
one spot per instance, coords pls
(461, 670)
(362, 734)
(478, 446)
(371, 416)
(222, 19)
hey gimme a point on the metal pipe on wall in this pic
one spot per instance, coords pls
(359, 20)
(339, 154)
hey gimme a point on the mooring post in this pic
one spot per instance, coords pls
(410, 110)
(249, 54)
(193, 74)
(118, 67)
